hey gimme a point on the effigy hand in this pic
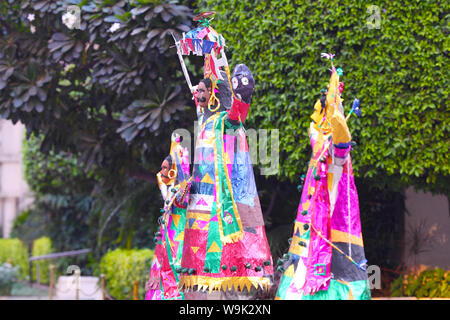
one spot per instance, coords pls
(339, 128)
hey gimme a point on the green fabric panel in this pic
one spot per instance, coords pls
(180, 229)
(172, 266)
(225, 194)
(285, 282)
(360, 290)
(336, 291)
(340, 291)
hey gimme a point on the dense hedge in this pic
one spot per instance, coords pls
(429, 283)
(122, 267)
(397, 70)
(41, 247)
(16, 253)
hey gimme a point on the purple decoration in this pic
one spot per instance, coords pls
(355, 107)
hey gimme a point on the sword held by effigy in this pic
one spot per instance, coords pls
(183, 66)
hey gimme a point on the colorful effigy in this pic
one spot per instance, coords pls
(173, 181)
(326, 257)
(225, 245)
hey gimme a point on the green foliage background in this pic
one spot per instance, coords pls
(432, 283)
(77, 215)
(15, 250)
(398, 71)
(41, 247)
(122, 267)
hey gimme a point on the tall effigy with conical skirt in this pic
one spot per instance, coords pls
(326, 257)
(225, 245)
(173, 181)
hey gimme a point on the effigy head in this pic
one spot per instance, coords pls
(204, 92)
(167, 172)
(216, 98)
(243, 83)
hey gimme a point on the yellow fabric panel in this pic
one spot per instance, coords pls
(340, 236)
(339, 129)
(330, 177)
(198, 215)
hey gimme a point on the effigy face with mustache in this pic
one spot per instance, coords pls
(236, 100)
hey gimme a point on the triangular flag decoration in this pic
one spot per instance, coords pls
(197, 46)
(176, 219)
(184, 47)
(195, 249)
(191, 222)
(209, 67)
(207, 179)
(156, 265)
(197, 179)
(180, 237)
(202, 224)
(201, 202)
(214, 248)
(290, 271)
(202, 33)
(189, 42)
(195, 226)
(171, 233)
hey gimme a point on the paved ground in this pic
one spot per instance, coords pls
(65, 289)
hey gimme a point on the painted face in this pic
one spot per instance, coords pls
(165, 172)
(203, 95)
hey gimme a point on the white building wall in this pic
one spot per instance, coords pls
(14, 192)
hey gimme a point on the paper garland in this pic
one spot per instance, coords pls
(197, 46)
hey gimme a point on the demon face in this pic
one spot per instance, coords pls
(243, 83)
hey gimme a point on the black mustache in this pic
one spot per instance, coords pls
(202, 100)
